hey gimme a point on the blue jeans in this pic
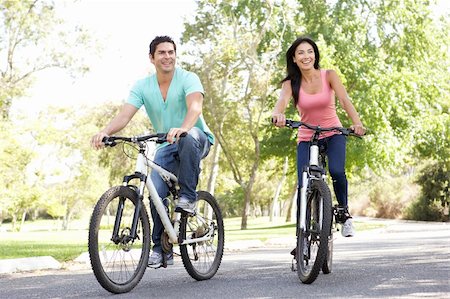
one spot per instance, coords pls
(335, 151)
(183, 160)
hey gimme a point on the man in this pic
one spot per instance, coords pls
(173, 99)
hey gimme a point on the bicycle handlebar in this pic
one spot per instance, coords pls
(156, 137)
(297, 124)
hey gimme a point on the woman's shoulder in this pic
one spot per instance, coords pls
(330, 74)
(328, 71)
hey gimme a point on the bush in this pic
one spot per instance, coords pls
(382, 196)
(433, 203)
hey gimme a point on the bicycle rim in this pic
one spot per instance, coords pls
(202, 259)
(118, 266)
(312, 243)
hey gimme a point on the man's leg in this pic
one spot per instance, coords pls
(165, 157)
(191, 149)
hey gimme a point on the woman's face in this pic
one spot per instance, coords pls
(304, 56)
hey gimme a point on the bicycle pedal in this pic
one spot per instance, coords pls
(294, 265)
(183, 212)
(154, 267)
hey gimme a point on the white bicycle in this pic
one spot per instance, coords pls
(315, 213)
(119, 231)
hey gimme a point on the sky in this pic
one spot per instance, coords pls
(124, 29)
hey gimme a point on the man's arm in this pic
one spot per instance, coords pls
(194, 103)
(119, 122)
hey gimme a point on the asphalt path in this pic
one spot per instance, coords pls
(403, 260)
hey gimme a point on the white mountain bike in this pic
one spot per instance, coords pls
(119, 231)
(315, 226)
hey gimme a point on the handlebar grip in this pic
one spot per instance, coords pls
(163, 137)
(109, 142)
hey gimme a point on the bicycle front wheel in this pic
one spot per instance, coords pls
(117, 258)
(202, 259)
(328, 263)
(312, 242)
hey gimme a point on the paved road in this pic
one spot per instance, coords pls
(404, 260)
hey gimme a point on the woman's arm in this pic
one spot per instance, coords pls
(345, 102)
(278, 117)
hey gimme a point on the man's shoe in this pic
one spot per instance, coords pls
(347, 228)
(156, 259)
(185, 205)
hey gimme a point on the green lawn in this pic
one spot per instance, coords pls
(40, 238)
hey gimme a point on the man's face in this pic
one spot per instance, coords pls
(164, 58)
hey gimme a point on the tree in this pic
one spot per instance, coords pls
(392, 56)
(29, 30)
(17, 197)
(236, 45)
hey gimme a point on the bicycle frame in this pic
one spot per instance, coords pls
(143, 169)
(307, 176)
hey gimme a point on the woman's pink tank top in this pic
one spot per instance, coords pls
(318, 109)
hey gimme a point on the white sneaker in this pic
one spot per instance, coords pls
(156, 259)
(184, 205)
(347, 229)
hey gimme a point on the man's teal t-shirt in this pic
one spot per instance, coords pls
(170, 113)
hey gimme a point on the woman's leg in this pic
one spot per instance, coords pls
(336, 165)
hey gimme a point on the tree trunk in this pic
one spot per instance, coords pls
(273, 207)
(292, 209)
(246, 210)
(214, 169)
(24, 215)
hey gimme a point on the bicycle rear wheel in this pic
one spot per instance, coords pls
(202, 259)
(312, 242)
(118, 262)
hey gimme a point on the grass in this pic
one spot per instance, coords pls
(40, 238)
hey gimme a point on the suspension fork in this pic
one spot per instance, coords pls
(137, 210)
(303, 199)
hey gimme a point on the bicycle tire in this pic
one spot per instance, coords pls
(202, 260)
(118, 267)
(328, 263)
(311, 251)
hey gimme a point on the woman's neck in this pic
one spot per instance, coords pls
(309, 75)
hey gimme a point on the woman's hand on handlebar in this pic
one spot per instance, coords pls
(358, 129)
(279, 119)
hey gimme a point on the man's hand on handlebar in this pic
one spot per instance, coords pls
(96, 140)
(175, 134)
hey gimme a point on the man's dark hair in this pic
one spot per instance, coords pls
(160, 39)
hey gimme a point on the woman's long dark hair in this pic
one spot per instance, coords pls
(293, 72)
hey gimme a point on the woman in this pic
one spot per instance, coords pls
(313, 91)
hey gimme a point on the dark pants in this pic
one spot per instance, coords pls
(335, 151)
(183, 160)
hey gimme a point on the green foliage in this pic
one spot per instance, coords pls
(392, 57)
(33, 38)
(434, 202)
(237, 67)
(17, 196)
